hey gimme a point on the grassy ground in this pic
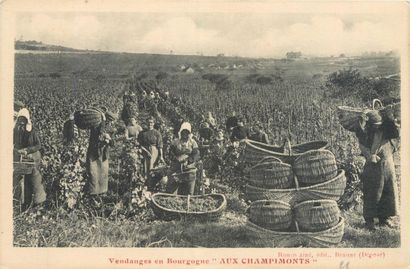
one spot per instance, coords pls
(58, 228)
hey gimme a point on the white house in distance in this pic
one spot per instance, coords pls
(189, 70)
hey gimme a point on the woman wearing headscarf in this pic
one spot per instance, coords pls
(27, 144)
(97, 162)
(184, 154)
(379, 179)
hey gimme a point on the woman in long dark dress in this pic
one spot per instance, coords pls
(27, 144)
(379, 179)
(97, 163)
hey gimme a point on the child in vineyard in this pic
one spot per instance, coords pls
(97, 162)
(379, 180)
(27, 144)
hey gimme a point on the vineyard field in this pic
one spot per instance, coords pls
(294, 100)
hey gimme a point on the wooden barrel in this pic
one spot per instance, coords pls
(316, 215)
(88, 118)
(271, 214)
(272, 175)
(315, 166)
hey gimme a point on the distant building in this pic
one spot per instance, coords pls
(189, 70)
(293, 55)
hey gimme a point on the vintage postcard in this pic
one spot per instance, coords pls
(204, 134)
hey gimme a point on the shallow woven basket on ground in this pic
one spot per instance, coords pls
(272, 175)
(315, 166)
(172, 214)
(88, 118)
(255, 151)
(331, 189)
(326, 238)
(271, 214)
(316, 215)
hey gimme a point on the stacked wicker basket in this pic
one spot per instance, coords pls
(294, 195)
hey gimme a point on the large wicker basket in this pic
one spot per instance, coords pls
(255, 151)
(165, 213)
(315, 166)
(88, 118)
(349, 117)
(325, 238)
(271, 214)
(272, 175)
(331, 189)
(316, 215)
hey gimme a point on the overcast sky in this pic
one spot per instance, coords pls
(246, 34)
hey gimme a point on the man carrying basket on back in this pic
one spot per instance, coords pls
(379, 178)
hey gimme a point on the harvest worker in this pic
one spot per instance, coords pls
(258, 134)
(184, 153)
(133, 129)
(231, 122)
(240, 131)
(97, 162)
(151, 143)
(18, 105)
(379, 179)
(210, 120)
(70, 130)
(27, 144)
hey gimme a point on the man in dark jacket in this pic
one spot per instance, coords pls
(240, 131)
(70, 130)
